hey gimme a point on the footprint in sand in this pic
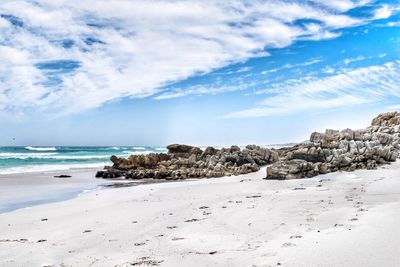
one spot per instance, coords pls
(254, 196)
(310, 219)
(177, 238)
(288, 244)
(192, 220)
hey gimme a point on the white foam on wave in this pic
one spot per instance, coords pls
(48, 168)
(40, 148)
(49, 156)
(138, 148)
(7, 155)
(143, 152)
(161, 149)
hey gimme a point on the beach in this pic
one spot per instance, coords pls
(336, 219)
(197, 133)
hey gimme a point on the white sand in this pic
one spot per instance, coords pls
(340, 219)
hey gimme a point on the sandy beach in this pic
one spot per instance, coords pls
(337, 219)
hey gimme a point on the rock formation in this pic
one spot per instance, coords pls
(331, 151)
(346, 150)
(184, 161)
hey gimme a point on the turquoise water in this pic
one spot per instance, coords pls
(38, 159)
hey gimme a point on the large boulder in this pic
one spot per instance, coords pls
(312, 154)
(180, 150)
(209, 151)
(149, 161)
(387, 119)
(290, 169)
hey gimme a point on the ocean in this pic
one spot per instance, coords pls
(40, 159)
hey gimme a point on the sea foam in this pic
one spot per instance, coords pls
(40, 148)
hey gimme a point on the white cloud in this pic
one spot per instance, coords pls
(372, 84)
(384, 12)
(351, 60)
(342, 5)
(145, 44)
(393, 24)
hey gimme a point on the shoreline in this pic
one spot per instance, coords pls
(24, 190)
(237, 221)
(27, 190)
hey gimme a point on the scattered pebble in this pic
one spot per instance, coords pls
(192, 220)
(288, 244)
(62, 176)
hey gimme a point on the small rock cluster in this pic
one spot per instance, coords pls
(346, 150)
(184, 161)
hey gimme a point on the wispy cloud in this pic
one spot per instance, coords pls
(354, 59)
(133, 48)
(374, 84)
(202, 90)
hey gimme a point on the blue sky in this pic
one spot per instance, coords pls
(200, 72)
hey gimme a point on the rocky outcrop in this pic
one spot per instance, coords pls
(323, 153)
(346, 150)
(184, 161)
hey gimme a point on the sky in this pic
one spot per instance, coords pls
(202, 72)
